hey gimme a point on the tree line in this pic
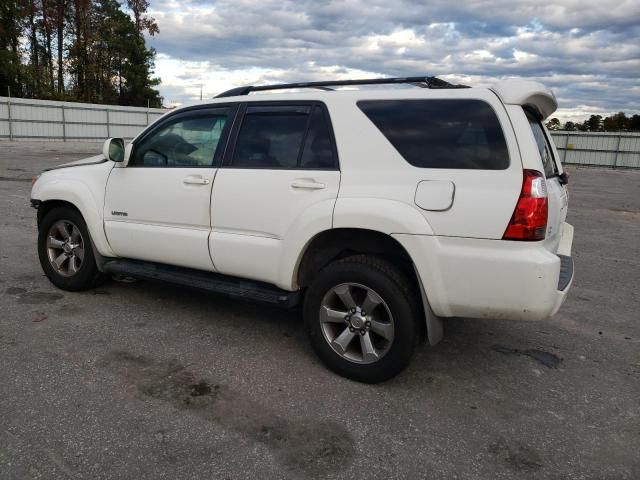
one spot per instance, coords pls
(618, 122)
(78, 50)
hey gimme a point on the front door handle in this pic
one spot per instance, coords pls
(195, 180)
(307, 184)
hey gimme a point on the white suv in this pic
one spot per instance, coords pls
(381, 211)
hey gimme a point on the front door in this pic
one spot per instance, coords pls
(157, 208)
(279, 181)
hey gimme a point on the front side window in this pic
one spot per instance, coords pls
(543, 145)
(284, 137)
(462, 134)
(190, 141)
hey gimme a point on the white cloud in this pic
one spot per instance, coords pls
(524, 57)
(588, 51)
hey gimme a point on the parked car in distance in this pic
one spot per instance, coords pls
(382, 211)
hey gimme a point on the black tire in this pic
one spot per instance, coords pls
(87, 275)
(401, 298)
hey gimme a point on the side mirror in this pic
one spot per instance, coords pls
(113, 149)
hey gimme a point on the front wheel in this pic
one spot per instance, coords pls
(65, 252)
(361, 316)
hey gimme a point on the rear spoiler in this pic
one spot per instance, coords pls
(533, 95)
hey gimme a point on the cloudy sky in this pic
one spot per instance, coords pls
(587, 51)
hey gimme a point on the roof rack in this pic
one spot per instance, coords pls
(424, 82)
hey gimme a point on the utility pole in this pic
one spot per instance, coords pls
(200, 92)
(9, 111)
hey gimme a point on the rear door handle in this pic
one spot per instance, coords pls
(195, 180)
(307, 184)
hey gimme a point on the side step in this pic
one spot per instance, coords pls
(248, 290)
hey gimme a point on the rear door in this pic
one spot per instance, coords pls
(556, 191)
(279, 175)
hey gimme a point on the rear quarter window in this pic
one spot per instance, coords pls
(544, 148)
(463, 134)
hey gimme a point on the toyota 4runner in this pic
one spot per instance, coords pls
(382, 211)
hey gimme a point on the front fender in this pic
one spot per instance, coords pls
(89, 201)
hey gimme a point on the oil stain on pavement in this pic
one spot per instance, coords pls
(26, 297)
(547, 359)
(308, 447)
(516, 455)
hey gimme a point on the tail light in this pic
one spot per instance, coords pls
(529, 219)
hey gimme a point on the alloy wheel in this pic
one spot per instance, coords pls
(65, 248)
(356, 322)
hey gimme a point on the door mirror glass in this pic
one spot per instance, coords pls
(113, 149)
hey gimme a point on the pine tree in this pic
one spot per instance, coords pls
(85, 50)
(11, 22)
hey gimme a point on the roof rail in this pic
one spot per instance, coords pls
(425, 82)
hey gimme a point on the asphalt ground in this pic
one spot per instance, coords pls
(150, 381)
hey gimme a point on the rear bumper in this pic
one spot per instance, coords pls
(566, 272)
(496, 279)
(564, 281)
(565, 277)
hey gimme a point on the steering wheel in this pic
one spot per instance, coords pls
(165, 159)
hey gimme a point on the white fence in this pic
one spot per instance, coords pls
(605, 149)
(27, 119)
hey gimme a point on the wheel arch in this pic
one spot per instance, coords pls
(335, 244)
(74, 194)
(46, 206)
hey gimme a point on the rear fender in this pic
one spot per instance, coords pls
(381, 215)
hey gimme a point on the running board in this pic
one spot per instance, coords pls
(208, 281)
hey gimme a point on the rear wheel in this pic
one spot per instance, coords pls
(361, 316)
(65, 252)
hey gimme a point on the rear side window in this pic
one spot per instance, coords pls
(544, 148)
(284, 137)
(464, 134)
(318, 147)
